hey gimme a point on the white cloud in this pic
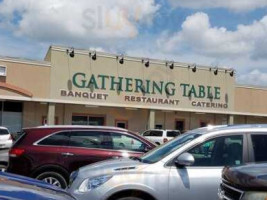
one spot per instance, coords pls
(199, 36)
(76, 20)
(255, 77)
(235, 5)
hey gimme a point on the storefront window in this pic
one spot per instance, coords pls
(121, 123)
(203, 124)
(79, 120)
(88, 120)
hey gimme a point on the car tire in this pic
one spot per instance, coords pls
(130, 198)
(53, 178)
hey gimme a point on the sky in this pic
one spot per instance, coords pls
(228, 33)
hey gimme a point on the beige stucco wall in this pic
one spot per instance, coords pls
(251, 100)
(31, 77)
(33, 113)
(250, 120)
(137, 119)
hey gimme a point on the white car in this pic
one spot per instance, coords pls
(160, 136)
(5, 138)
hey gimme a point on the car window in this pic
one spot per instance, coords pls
(3, 132)
(156, 133)
(91, 139)
(173, 133)
(220, 151)
(259, 143)
(125, 142)
(58, 139)
(147, 133)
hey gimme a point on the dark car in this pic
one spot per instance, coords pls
(51, 153)
(14, 187)
(246, 182)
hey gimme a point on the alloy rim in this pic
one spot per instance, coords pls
(52, 181)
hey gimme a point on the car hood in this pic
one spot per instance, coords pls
(113, 166)
(16, 186)
(252, 177)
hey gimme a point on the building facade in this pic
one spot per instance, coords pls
(75, 86)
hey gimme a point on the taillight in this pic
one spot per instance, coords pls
(16, 152)
(165, 140)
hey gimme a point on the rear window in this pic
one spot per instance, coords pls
(156, 133)
(19, 138)
(60, 139)
(173, 133)
(3, 132)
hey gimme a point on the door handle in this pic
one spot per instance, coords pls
(67, 154)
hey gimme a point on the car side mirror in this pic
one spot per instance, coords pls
(185, 159)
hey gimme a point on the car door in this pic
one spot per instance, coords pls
(50, 149)
(156, 136)
(87, 147)
(202, 179)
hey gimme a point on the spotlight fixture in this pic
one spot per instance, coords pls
(194, 68)
(216, 71)
(93, 55)
(70, 52)
(232, 73)
(121, 59)
(172, 65)
(147, 63)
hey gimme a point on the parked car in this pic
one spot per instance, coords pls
(51, 153)
(6, 140)
(3, 159)
(247, 182)
(14, 187)
(160, 136)
(188, 167)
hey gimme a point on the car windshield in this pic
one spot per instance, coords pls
(164, 150)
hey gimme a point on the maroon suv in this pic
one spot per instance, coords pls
(51, 153)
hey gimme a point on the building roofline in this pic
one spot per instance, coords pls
(255, 87)
(25, 61)
(138, 59)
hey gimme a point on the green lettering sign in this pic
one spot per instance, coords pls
(78, 80)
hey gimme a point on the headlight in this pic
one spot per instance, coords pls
(255, 196)
(92, 183)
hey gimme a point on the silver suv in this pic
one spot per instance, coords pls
(188, 167)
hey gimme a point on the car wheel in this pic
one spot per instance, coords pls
(130, 198)
(53, 178)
